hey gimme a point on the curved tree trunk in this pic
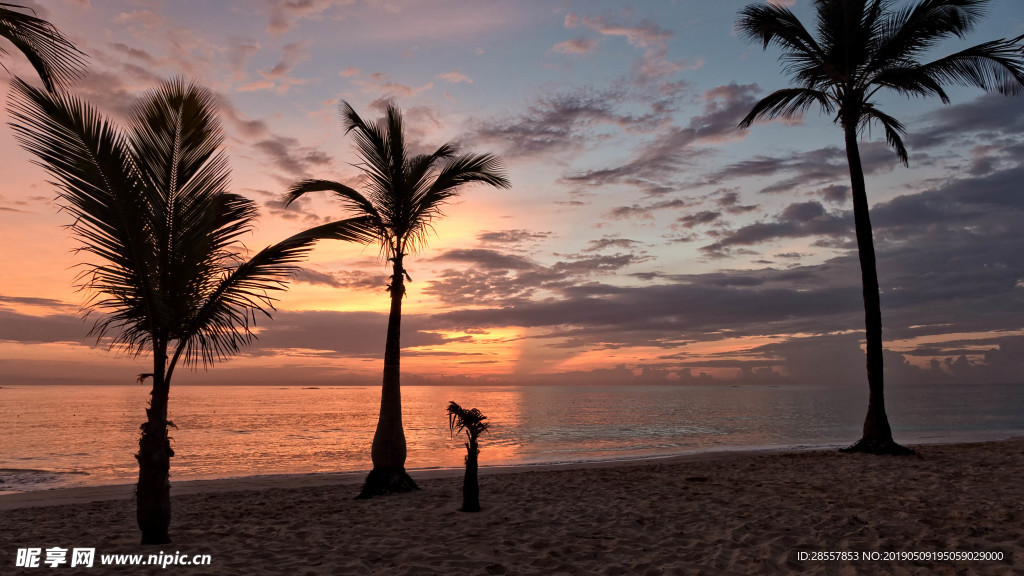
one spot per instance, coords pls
(153, 492)
(388, 450)
(877, 435)
(470, 483)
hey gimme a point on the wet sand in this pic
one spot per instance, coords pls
(727, 513)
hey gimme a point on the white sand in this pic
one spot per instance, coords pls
(721, 514)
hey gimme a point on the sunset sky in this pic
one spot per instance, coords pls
(645, 237)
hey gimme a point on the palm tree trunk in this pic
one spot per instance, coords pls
(470, 483)
(877, 435)
(153, 492)
(388, 450)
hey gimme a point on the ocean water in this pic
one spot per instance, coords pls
(62, 436)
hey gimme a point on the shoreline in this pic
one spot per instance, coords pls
(721, 513)
(62, 496)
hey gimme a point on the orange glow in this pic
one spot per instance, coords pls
(908, 344)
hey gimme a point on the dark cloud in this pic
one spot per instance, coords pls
(729, 200)
(835, 194)
(823, 167)
(647, 211)
(498, 278)
(350, 280)
(798, 220)
(987, 118)
(27, 329)
(556, 124)
(486, 259)
(656, 167)
(699, 218)
(948, 262)
(32, 301)
(512, 236)
(661, 315)
(135, 53)
(340, 334)
(609, 242)
(288, 155)
(569, 121)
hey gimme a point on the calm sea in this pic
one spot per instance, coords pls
(59, 436)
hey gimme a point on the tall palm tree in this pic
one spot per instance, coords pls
(404, 193)
(161, 235)
(472, 422)
(57, 61)
(861, 48)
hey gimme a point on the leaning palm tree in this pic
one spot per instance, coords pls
(57, 61)
(861, 48)
(161, 234)
(472, 422)
(404, 193)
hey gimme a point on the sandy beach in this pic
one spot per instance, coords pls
(724, 513)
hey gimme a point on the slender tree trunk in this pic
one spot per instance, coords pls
(471, 484)
(388, 450)
(153, 492)
(877, 435)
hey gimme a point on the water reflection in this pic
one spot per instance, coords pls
(236, 431)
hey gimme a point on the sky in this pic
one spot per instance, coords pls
(645, 238)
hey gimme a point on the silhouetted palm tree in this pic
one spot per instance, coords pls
(403, 196)
(861, 48)
(472, 422)
(161, 234)
(55, 58)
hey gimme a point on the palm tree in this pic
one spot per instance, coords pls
(161, 235)
(472, 422)
(57, 61)
(863, 47)
(404, 194)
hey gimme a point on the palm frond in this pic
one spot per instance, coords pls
(397, 154)
(222, 325)
(420, 170)
(802, 55)
(176, 142)
(374, 149)
(787, 103)
(894, 130)
(471, 168)
(98, 185)
(360, 229)
(426, 201)
(177, 139)
(55, 58)
(350, 198)
(472, 421)
(403, 193)
(997, 65)
(152, 207)
(773, 24)
(840, 32)
(909, 81)
(910, 31)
